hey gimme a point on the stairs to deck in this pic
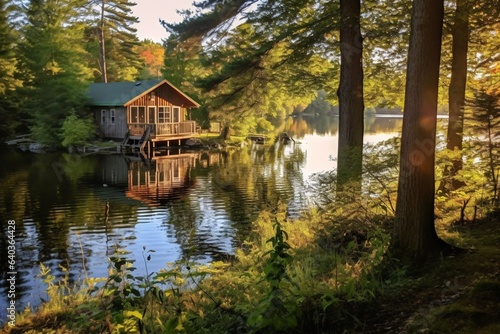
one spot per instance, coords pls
(135, 145)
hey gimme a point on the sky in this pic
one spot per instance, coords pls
(150, 11)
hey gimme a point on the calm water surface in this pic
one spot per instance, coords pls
(72, 210)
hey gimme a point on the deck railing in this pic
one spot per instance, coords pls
(163, 129)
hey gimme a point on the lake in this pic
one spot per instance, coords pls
(72, 210)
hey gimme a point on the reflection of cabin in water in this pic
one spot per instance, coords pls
(155, 181)
(142, 114)
(161, 180)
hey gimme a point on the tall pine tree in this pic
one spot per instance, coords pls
(52, 65)
(115, 37)
(7, 69)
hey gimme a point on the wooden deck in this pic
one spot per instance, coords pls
(144, 137)
(164, 130)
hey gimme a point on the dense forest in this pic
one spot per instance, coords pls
(248, 62)
(52, 50)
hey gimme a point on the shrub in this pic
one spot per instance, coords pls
(77, 131)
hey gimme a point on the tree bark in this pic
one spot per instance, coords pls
(414, 233)
(350, 93)
(456, 91)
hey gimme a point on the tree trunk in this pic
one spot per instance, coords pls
(456, 92)
(102, 45)
(226, 132)
(350, 93)
(414, 233)
(491, 156)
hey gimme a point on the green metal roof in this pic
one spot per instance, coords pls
(120, 93)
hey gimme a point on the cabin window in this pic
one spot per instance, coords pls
(164, 114)
(177, 114)
(134, 114)
(112, 116)
(151, 114)
(142, 114)
(168, 115)
(137, 114)
(103, 116)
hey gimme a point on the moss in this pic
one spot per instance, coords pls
(461, 319)
(486, 292)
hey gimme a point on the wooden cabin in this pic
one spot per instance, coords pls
(143, 112)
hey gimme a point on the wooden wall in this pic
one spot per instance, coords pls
(119, 129)
(164, 96)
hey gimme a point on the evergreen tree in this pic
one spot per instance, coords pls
(52, 66)
(116, 38)
(484, 121)
(307, 36)
(7, 53)
(182, 62)
(7, 70)
(265, 54)
(182, 68)
(385, 26)
(470, 32)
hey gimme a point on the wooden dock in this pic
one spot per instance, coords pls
(257, 138)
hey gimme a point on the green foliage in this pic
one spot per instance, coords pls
(320, 105)
(486, 124)
(279, 258)
(478, 193)
(275, 311)
(246, 66)
(77, 131)
(52, 67)
(7, 53)
(284, 280)
(9, 112)
(111, 38)
(8, 82)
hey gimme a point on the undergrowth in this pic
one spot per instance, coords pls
(315, 274)
(291, 276)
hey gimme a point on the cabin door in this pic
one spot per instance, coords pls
(151, 115)
(176, 111)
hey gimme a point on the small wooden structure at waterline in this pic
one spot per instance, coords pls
(142, 115)
(22, 142)
(257, 138)
(284, 138)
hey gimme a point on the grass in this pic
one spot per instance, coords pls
(333, 284)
